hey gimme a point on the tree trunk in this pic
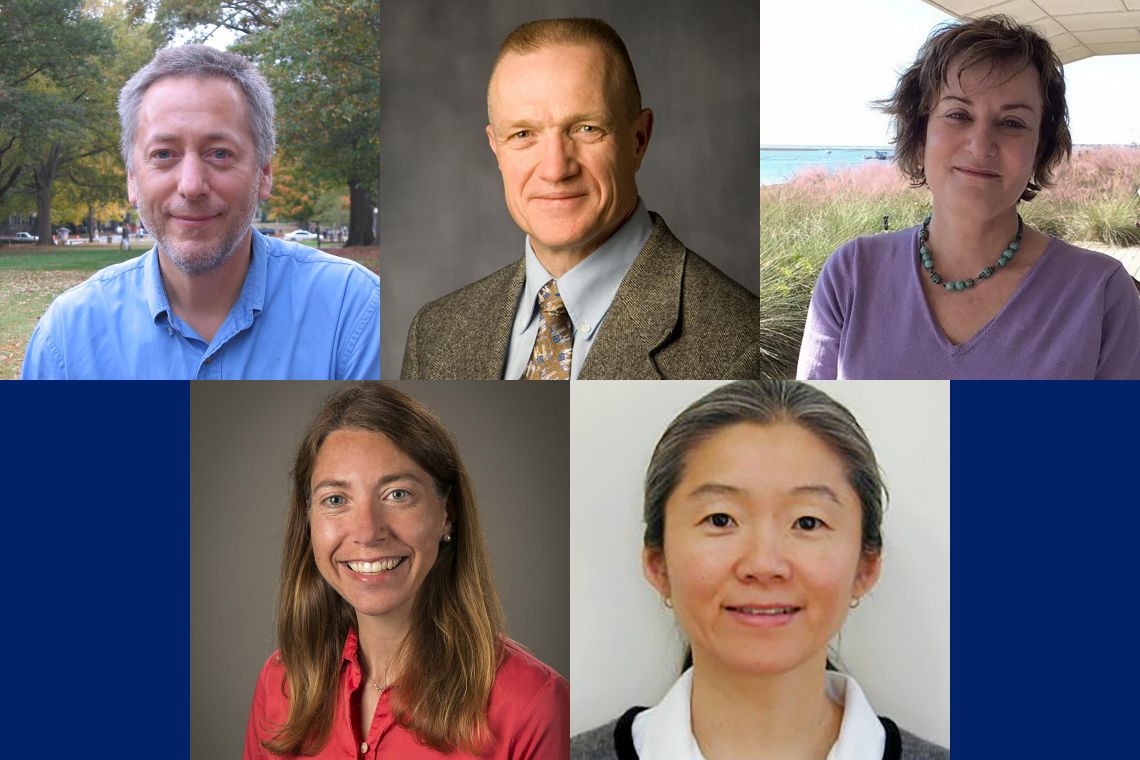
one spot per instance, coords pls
(43, 178)
(90, 223)
(359, 214)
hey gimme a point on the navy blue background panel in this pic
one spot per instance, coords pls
(1046, 542)
(96, 569)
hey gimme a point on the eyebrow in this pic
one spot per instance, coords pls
(1005, 106)
(396, 476)
(819, 490)
(713, 489)
(812, 489)
(171, 137)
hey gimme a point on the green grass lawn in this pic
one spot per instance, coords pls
(87, 258)
(32, 276)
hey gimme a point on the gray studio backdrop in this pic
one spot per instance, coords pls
(243, 439)
(443, 221)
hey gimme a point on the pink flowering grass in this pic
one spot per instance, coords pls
(1093, 199)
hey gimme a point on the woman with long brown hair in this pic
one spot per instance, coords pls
(390, 630)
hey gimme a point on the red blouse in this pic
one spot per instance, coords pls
(528, 714)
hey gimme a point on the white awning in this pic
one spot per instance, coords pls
(1075, 28)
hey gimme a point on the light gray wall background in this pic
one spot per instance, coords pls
(443, 221)
(624, 646)
(243, 439)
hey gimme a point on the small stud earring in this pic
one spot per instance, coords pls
(854, 603)
(447, 538)
(667, 602)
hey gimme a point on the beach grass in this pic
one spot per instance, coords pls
(1094, 199)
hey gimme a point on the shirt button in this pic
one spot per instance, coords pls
(363, 747)
(585, 328)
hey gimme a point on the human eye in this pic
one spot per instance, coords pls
(220, 154)
(719, 520)
(1013, 123)
(809, 523)
(588, 133)
(400, 494)
(162, 154)
(958, 116)
(334, 501)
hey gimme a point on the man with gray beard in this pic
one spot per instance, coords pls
(214, 298)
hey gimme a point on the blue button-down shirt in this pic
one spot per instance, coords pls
(301, 314)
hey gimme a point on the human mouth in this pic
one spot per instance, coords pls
(559, 199)
(194, 220)
(375, 567)
(975, 171)
(763, 615)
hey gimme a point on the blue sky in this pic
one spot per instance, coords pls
(822, 60)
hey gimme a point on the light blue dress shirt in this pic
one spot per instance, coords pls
(587, 290)
(301, 314)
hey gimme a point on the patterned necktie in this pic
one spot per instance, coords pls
(550, 359)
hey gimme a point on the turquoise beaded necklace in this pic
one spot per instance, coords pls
(928, 258)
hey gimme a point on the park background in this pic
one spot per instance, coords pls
(818, 130)
(62, 64)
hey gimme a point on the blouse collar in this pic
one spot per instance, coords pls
(665, 732)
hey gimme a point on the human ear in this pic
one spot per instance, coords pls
(266, 182)
(642, 132)
(653, 566)
(867, 574)
(491, 141)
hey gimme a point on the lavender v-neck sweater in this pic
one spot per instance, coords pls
(1075, 315)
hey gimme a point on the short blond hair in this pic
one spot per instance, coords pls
(534, 36)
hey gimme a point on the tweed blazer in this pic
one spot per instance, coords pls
(613, 741)
(675, 316)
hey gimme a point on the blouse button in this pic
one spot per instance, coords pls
(363, 747)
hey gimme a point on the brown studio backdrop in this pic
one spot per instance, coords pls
(513, 439)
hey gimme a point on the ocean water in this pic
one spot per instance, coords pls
(778, 164)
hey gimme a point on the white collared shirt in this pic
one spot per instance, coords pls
(587, 290)
(665, 732)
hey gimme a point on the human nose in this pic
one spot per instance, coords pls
(981, 142)
(763, 556)
(369, 525)
(192, 179)
(559, 159)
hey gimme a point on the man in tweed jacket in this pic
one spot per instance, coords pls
(569, 133)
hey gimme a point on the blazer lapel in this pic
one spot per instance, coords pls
(644, 312)
(490, 328)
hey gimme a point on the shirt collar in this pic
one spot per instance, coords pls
(588, 289)
(250, 300)
(667, 728)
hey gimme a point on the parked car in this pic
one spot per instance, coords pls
(300, 235)
(26, 237)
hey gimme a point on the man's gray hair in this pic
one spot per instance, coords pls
(201, 61)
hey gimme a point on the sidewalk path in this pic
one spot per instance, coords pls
(1129, 257)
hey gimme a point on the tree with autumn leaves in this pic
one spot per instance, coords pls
(322, 58)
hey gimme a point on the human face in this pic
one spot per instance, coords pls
(376, 523)
(194, 175)
(762, 549)
(567, 150)
(981, 139)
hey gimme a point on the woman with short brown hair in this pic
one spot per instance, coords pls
(972, 293)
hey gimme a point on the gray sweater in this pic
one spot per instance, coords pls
(600, 744)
